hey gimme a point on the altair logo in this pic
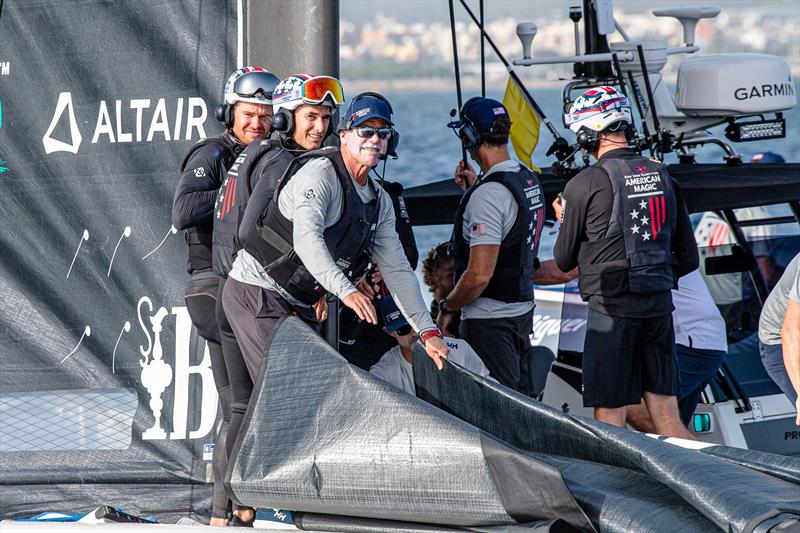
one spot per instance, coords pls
(128, 121)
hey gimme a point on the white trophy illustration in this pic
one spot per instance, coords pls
(156, 374)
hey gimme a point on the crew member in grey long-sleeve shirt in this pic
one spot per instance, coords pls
(330, 219)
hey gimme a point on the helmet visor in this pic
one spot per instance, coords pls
(254, 85)
(317, 89)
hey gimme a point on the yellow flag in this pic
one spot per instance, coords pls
(524, 123)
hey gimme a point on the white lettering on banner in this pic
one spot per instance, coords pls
(193, 121)
(208, 409)
(159, 121)
(122, 137)
(5, 68)
(139, 105)
(130, 121)
(157, 375)
(103, 124)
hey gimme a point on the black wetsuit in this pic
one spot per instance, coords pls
(201, 174)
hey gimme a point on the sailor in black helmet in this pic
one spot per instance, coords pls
(246, 113)
(328, 221)
(629, 234)
(494, 245)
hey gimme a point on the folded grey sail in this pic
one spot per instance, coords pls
(325, 437)
(731, 496)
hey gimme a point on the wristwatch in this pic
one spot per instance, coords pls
(443, 306)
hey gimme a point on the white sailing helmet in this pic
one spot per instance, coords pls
(597, 109)
(251, 84)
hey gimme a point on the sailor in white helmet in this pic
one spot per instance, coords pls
(629, 234)
(246, 113)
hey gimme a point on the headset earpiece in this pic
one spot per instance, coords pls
(468, 133)
(588, 140)
(394, 140)
(283, 121)
(224, 113)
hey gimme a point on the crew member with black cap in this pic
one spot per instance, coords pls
(494, 245)
(328, 221)
(629, 234)
(246, 113)
(395, 365)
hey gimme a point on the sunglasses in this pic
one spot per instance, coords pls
(317, 89)
(366, 132)
(403, 330)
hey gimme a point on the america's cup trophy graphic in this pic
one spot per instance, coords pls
(156, 374)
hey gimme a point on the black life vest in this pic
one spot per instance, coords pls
(231, 202)
(635, 256)
(349, 240)
(512, 279)
(199, 238)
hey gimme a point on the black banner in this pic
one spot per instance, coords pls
(106, 392)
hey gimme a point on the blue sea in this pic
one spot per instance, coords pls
(429, 151)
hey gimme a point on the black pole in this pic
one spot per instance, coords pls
(458, 74)
(651, 100)
(550, 127)
(483, 54)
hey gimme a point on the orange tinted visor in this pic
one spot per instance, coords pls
(317, 89)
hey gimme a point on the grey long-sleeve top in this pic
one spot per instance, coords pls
(313, 201)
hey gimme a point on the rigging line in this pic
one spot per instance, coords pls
(553, 131)
(483, 52)
(458, 74)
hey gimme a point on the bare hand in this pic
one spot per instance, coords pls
(559, 209)
(464, 176)
(437, 350)
(321, 308)
(362, 306)
(366, 288)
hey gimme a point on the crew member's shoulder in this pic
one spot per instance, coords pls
(318, 166)
(212, 148)
(587, 178)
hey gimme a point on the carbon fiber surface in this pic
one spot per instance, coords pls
(325, 437)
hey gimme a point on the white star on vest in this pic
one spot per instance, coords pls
(642, 204)
(635, 229)
(634, 214)
(646, 236)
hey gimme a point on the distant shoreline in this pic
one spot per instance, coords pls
(434, 85)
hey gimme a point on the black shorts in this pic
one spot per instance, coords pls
(625, 357)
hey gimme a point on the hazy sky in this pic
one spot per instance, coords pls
(437, 10)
